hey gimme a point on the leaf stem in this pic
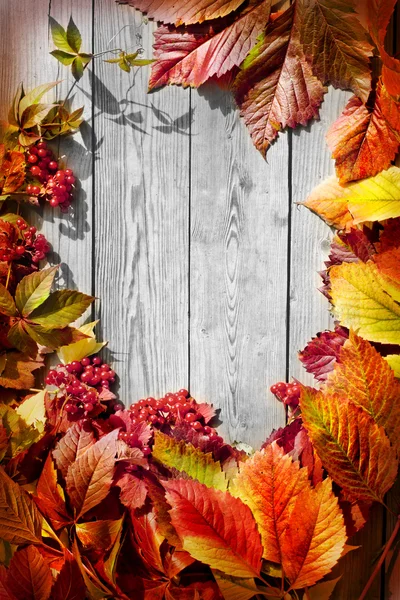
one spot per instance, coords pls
(382, 559)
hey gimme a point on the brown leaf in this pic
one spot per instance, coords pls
(20, 521)
(72, 446)
(29, 577)
(17, 373)
(69, 584)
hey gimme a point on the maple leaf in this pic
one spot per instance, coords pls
(269, 483)
(361, 302)
(183, 12)
(337, 45)
(133, 491)
(276, 88)
(321, 354)
(69, 584)
(365, 378)
(29, 577)
(356, 452)
(20, 521)
(185, 457)
(362, 141)
(215, 527)
(374, 199)
(17, 373)
(98, 535)
(194, 56)
(89, 478)
(72, 446)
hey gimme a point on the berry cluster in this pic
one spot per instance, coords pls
(49, 181)
(172, 409)
(288, 393)
(83, 384)
(30, 245)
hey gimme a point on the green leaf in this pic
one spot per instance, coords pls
(185, 457)
(77, 68)
(7, 304)
(13, 113)
(18, 337)
(34, 289)
(59, 36)
(74, 37)
(63, 57)
(35, 114)
(13, 218)
(60, 309)
(34, 96)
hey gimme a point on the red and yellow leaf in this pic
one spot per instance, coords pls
(12, 172)
(184, 12)
(388, 267)
(215, 528)
(50, 496)
(69, 584)
(20, 521)
(72, 446)
(98, 535)
(276, 87)
(29, 577)
(17, 373)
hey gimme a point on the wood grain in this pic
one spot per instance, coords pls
(238, 269)
(141, 215)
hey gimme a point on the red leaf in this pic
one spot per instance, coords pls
(215, 528)
(69, 584)
(181, 11)
(390, 236)
(192, 57)
(147, 540)
(320, 355)
(29, 577)
(362, 141)
(133, 491)
(49, 499)
(72, 446)
(89, 478)
(5, 593)
(276, 88)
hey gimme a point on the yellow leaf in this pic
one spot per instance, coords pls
(83, 348)
(33, 410)
(373, 199)
(360, 302)
(394, 363)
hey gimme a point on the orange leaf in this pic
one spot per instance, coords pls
(17, 373)
(29, 577)
(276, 87)
(69, 584)
(388, 266)
(215, 527)
(356, 452)
(362, 376)
(269, 483)
(72, 446)
(362, 141)
(12, 172)
(181, 11)
(49, 499)
(315, 536)
(98, 535)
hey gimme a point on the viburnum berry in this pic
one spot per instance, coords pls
(288, 393)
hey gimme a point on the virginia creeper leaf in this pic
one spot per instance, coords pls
(98, 535)
(373, 199)
(21, 436)
(72, 446)
(321, 354)
(5, 592)
(35, 115)
(276, 88)
(20, 339)
(269, 483)
(82, 348)
(236, 588)
(364, 377)
(59, 36)
(17, 373)
(89, 478)
(60, 309)
(185, 457)
(32, 410)
(34, 96)
(53, 338)
(34, 289)
(362, 141)
(7, 304)
(29, 576)
(361, 302)
(356, 452)
(69, 584)
(184, 12)
(314, 538)
(337, 45)
(13, 171)
(192, 57)
(20, 521)
(50, 496)
(74, 37)
(133, 491)
(65, 58)
(94, 587)
(215, 527)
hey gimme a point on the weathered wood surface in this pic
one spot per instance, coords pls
(204, 266)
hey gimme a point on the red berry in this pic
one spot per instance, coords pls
(32, 159)
(86, 361)
(20, 250)
(42, 152)
(183, 392)
(68, 172)
(88, 407)
(196, 425)
(53, 165)
(86, 377)
(97, 360)
(146, 450)
(41, 145)
(71, 408)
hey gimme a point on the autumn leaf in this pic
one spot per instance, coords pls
(133, 491)
(72, 446)
(337, 45)
(21, 436)
(7, 304)
(82, 348)
(29, 577)
(148, 540)
(50, 496)
(32, 409)
(374, 199)
(89, 478)
(388, 267)
(237, 588)
(364, 377)
(356, 452)
(379, 13)
(185, 457)
(98, 535)
(276, 87)
(182, 12)
(20, 521)
(69, 584)
(34, 289)
(5, 593)
(360, 302)
(12, 172)
(269, 483)
(192, 57)
(324, 590)
(393, 361)
(60, 309)
(362, 141)
(94, 587)
(321, 354)
(215, 527)
(17, 373)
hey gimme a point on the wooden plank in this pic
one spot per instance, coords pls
(29, 61)
(141, 214)
(309, 310)
(238, 269)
